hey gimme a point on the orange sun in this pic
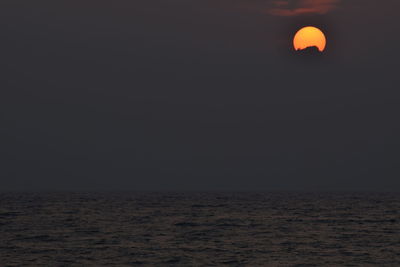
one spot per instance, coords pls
(309, 36)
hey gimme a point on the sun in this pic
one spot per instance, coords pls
(308, 37)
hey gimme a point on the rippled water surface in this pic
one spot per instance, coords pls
(271, 229)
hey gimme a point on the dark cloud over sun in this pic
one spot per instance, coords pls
(300, 7)
(283, 8)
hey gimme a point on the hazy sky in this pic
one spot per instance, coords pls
(198, 95)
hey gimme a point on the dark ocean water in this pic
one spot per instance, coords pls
(199, 229)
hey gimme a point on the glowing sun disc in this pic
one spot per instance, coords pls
(308, 37)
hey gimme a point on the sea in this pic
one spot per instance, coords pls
(199, 229)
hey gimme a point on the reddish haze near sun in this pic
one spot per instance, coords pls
(308, 37)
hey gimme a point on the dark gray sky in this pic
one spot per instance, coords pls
(198, 95)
